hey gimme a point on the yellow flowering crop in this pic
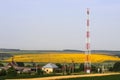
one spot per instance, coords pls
(62, 57)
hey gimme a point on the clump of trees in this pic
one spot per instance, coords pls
(3, 72)
(40, 71)
(116, 67)
(21, 64)
(11, 72)
(81, 68)
(1, 65)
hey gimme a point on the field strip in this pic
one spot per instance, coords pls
(69, 76)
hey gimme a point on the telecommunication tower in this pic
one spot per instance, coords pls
(87, 64)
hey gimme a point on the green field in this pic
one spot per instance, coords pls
(111, 77)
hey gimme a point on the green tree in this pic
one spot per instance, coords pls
(11, 71)
(111, 69)
(93, 68)
(116, 66)
(39, 71)
(1, 65)
(59, 65)
(21, 64)
(81, 68)
(28, 65)
(3, 72)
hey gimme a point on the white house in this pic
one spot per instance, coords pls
(49, 68)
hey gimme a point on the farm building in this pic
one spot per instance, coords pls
(49, 68)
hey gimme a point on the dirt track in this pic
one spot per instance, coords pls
(70, 76)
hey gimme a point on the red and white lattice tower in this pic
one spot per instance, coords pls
(87, 64)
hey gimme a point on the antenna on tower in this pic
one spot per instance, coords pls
(87, 64)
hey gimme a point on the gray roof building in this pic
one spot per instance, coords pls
(50, 65)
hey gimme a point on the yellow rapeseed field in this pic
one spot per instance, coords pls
(58, 57)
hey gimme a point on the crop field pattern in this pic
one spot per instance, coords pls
(57, 57)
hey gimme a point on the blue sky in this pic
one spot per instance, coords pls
(59, 24)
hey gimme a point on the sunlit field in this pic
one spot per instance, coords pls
(57, 57)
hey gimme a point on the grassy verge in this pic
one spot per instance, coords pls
(110, 77)
(23, 76)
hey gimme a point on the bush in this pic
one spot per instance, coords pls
(11, 72)
(111, 69)
(28, 65)
(1, 65)
(59, 65)
(39, 72)
(2, 72)
(21, 64)
(93, 68)
(81, 68)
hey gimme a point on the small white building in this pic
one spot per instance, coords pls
(49, 68)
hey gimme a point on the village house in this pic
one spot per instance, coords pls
(49, 68)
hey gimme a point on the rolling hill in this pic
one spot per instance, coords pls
(63, 57)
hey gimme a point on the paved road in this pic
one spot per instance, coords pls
(70, 76)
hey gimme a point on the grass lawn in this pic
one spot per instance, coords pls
(110, 77)
(23, 76)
